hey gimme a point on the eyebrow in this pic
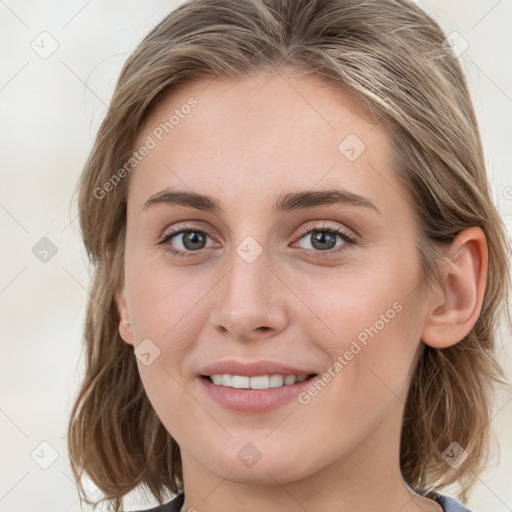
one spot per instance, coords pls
(285, 203)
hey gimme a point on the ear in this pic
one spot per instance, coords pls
(125, 327)
(455, 307)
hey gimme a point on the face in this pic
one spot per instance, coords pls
(271, 274)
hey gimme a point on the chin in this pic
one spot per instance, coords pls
(249, 465)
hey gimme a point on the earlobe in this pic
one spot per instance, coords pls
(455, 307)
(125, 327)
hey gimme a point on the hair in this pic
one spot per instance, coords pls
(391, 56)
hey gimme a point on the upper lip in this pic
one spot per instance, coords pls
(252, 368)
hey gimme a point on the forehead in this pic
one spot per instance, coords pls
(263, 134)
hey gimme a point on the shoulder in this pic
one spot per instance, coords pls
(172, 506)
(449, 504)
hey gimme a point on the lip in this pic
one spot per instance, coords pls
(252, 401)
(253, 368)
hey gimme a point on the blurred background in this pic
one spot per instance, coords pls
(59, 65)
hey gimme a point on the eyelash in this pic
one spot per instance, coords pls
(307, 229)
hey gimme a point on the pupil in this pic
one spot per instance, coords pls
(191, 239)
(321, 238)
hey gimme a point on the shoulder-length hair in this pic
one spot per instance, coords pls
(393, 57)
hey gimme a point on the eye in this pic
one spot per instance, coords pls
(191, 239)
(323, 239)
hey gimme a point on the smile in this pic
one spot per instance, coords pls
(256, 394)
(256, 382)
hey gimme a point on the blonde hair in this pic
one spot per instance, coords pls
(389, 54)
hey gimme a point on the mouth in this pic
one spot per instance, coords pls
(256, 382)
(256, 394)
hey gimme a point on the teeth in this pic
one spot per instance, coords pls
(227, 379)
(276, 381)
(258, 382)
(240, 382)
(217, 378)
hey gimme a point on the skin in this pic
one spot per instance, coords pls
(246, 143)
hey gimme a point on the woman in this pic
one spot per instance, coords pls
(233, 358)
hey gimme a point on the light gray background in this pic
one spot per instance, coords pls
(50, 109)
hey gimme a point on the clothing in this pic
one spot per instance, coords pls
(448, 504)
(173, 506)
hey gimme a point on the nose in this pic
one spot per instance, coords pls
(252, 300)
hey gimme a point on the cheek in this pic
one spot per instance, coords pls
(373, 335)
(168, 312)
(361, 305)
(165, 302)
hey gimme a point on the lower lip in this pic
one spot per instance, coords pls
(253, 400)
